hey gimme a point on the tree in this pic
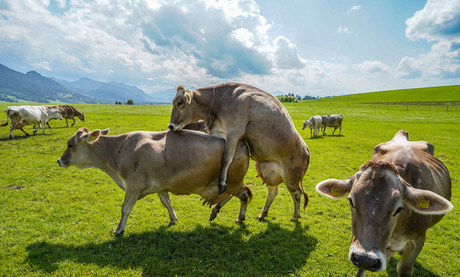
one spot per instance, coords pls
(130, 102)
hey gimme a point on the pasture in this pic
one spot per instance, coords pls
(58, 221)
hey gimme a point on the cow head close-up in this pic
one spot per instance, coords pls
(77, 152)
(182, 113)
(306, 123)
(379, 199)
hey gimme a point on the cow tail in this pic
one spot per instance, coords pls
(7, 117)
(304, 195)
(250, 195)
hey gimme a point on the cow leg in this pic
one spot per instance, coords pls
(334, 130)
(216, 209)
(340, 131)
(271, 194)
(13, 125)
(73, 122)
(48, 123)
(128, 204)
(244, 197)
(227, 158)
(67, 122)
(411, 250)
(166, 201)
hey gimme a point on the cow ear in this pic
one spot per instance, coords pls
(93, 136)
(425, 201)
(188, 97)
(334, 188)
(105, 132)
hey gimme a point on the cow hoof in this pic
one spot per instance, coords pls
(239, 221)
(171, 223)
(222, 188)
(212, 216)
(11, 137)
(260, 218)
(294, 219)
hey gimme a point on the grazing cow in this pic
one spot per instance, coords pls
(142, 163)
(314, 123)
(27, 115)
(68, 112)
(331, 120)
(234, 111)
(394, 198)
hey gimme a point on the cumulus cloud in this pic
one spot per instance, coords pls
(439, 22)
(369, 67)
(354, 8)
(343, 30)
(286, 55)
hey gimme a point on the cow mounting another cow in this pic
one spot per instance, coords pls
(142, 163)
(234, 111)
(394, 198)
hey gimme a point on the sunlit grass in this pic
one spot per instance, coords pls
(58, 221)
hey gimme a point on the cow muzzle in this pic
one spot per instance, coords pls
(174, 127)
(61, 163)
(368, 261)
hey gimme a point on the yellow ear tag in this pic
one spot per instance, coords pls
(423, 204)
(335, 192)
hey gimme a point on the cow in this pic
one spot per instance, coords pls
(68, 112)
(142, 163)
(331, 120)
(314, 123)
(27, 115)
(394, 197)
(234, 111)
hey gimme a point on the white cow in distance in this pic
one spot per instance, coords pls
(314, 123)
(28, 115)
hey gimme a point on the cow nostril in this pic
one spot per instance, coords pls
(171, 127)
(377, 265)
(353, 259)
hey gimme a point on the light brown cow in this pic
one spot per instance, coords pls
(332, 120)
(314, 123)
(394, 198)
(234, 111)
(68, 112)
(142, 163)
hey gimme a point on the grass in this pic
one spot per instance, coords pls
(58, 221)
(445, 95)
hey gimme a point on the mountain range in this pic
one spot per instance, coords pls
(34, 87)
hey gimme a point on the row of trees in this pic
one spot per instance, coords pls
(130, 102)
(290, 97)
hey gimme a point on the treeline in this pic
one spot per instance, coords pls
(130, 102)
(290, 97)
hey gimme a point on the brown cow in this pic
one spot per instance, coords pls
(332, 120)
(394, 198)
(142, 163)
(68, 112)
(234, 111)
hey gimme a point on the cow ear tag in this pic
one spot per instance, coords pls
(335, 192)
(425, 204)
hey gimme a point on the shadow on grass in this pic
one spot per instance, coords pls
(418, 269)
(211, 251)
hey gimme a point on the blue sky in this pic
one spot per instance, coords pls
(316, 47)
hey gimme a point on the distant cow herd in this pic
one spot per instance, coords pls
(394, 197)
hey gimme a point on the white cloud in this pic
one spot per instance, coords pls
(439, 22)
(354, 8)
(286, 55)
(343, 30)
(244, 37)
(369, 67)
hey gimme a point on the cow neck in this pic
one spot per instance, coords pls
(106, 151)
(206, 100)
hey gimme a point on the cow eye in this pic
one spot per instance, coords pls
(70, 146)
(398, 210)
(180, 103)
(351, 202)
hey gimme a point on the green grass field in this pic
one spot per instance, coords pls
(58, 221)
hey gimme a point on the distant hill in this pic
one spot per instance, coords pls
(33, 87)
(109, 92)
(431, 94)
